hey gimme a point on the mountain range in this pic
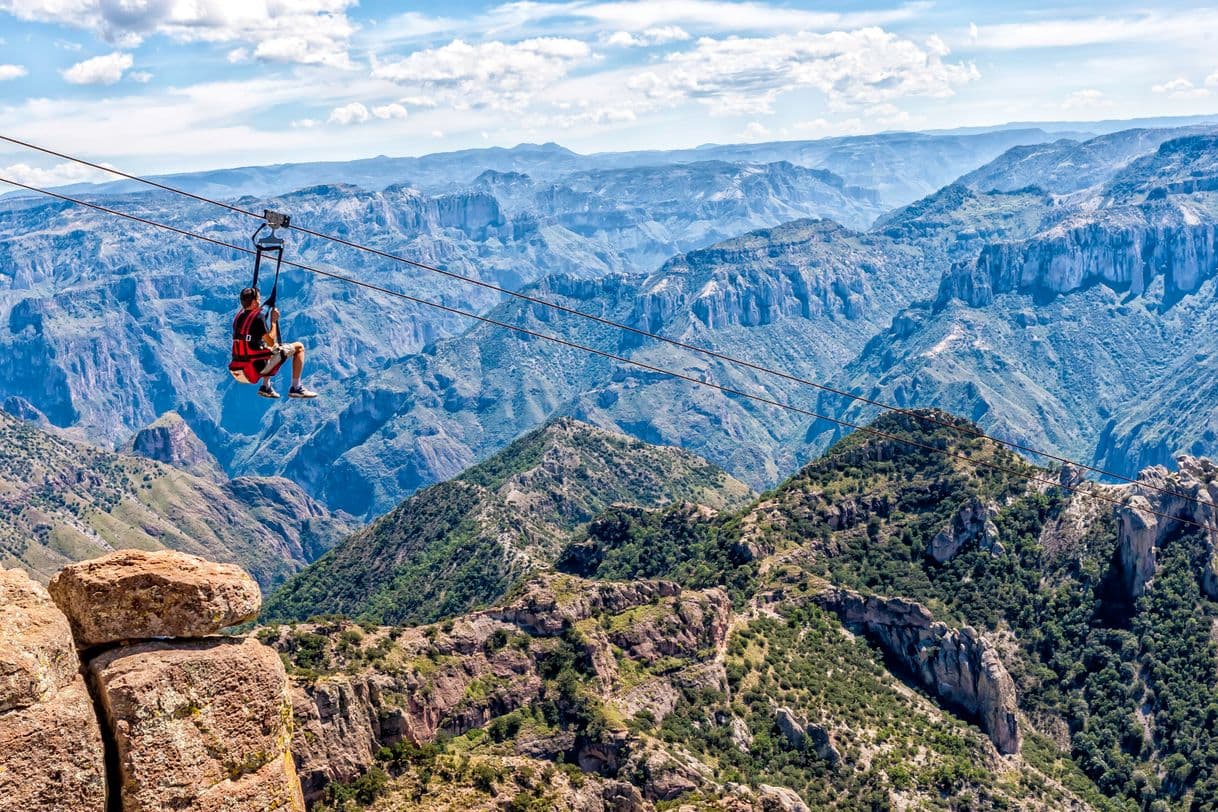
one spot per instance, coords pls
(918, 616)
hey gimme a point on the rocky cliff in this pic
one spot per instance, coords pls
(958, 665)
(189, 719)
(1159, 507)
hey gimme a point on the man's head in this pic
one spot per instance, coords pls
(249, 297)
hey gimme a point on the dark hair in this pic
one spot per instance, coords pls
(248, 295)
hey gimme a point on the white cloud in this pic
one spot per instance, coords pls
(660, 35)
(357, 113)
(8, 72)
(59, 175)
(747, 75)
(141, 76)
(1212, 79)
(493, 74)
(100, 70)
(419, 101)
(307, 31)
(389, 111)
(1063, 32)
(1086, 99)
(1181, 88)
(353, 113)
(756, 131)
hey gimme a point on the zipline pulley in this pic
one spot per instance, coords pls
(269, 245)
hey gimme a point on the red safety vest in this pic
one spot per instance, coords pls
(246, 356)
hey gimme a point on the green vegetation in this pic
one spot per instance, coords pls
(892, 744)
(463, 544)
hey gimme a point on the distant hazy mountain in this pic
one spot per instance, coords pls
(899, 166)
(1090, 333)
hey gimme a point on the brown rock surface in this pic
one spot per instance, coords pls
(138, 595)
(51, 755)
(200, 725)
(37, 656)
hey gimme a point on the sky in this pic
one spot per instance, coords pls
(177, 85)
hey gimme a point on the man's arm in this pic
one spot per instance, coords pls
(274, 333)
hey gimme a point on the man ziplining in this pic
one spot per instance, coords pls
(254, 345)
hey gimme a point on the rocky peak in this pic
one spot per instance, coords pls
(170, 440)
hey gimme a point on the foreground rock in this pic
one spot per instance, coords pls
(199, 725)
(958, 665)
(37, 657)
(137, 595)
(51, 755)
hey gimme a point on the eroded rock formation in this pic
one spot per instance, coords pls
(51, 755)
(958, 665)
(1160, 504)
(196, 722)
(973, 523)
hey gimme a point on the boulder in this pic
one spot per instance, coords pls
(37, 657)
(51, 755)
(780, 798)
(138, 595)
(199, 725)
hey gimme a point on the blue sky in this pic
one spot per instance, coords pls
(169, 85)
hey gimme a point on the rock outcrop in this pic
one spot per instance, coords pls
(196, 722)
(201, 724)
(138, 595)
(462, 674)
(804, 735)
(51, 755)
(959, 666)
(171, 441)
(973, 523)
(1162, 503)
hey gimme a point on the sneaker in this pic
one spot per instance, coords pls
(267, 391)
(301, 392)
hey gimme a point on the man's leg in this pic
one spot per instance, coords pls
(297, 363)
